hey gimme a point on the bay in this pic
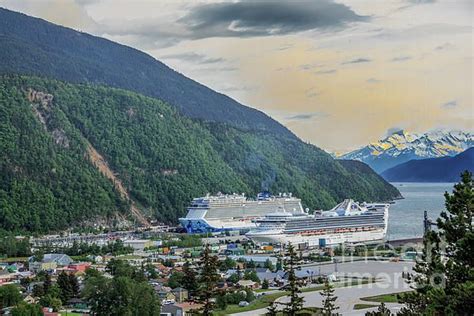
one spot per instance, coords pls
(406, 215)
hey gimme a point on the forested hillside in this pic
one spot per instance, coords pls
(33, 46)
(163, 158)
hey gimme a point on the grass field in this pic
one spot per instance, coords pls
(14, 259)
(363, 306)
(385, 298)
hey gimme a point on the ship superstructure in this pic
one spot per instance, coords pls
(225, 212)
(348, 222)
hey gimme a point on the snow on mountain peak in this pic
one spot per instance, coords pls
(402, 146)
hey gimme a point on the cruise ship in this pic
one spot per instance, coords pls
(227, 212)
(348, 222)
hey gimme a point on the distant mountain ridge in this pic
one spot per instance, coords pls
(443, 169)
(403, 146)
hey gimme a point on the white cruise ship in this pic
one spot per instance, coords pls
(223, 212)
(348, 222)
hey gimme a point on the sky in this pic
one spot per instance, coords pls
(340, 74)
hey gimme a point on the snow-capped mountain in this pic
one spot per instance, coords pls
(403, 146)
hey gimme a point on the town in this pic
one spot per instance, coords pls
(56, 271)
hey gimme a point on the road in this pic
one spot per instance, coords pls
(389, 280)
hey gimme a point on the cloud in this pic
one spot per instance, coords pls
(373, 80)
(266, 18)
(421, 1)
(411, 3)
(444, 46)
(450, 104)
(401, 58)
(194, 58)
(393, 130)
(306, 116)
(357, 61)
(311, 92)
(325, 72)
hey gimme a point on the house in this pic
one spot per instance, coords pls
(138, 244)
(60, 259)
(172, 310)
(30, 299)
(181, 294)
(95, 259)
(78, 267)
(234, 252)
(258, 260)
(166, 296)
(36, 267)
(6, 276)
(50, 262)
(247, 284)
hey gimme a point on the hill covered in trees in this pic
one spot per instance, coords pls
(36, 47)
(49, 131)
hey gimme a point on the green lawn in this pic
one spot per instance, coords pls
(386, 298)
(14, 259)
(363, 306)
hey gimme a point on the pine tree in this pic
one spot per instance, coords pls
(382, 310)
(190, 281)
(292, 263)
(208, 278)
(271, 310)
(329, 300)
(265, 284)
(444, 279)
(47, 284)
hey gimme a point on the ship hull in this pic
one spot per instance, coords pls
(316, 240)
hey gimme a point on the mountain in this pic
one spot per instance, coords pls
(81, 150)
(71, 153)
(403, 146)
(36, 47)
(443, 169)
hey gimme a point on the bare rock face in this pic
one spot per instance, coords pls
(60, 138)
(131, 112)
(42, 103)
(169, 172)
(44, 99)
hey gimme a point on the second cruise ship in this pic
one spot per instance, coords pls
(348, 222)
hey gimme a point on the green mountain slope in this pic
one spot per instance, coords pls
(163, 159)
(33, 46)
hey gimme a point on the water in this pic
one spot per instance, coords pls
(406, 216)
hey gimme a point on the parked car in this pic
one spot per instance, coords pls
(243, 303)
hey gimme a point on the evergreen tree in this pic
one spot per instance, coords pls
(265, 284)
(47, 284)
(271, 310)
(329, 300)
(190, 281)
(382, 310)
(251, 275)
(292, 263)
(208, 278)
(9, 295)
(269, 265)
(25, 309)
(444, 279)
(68, 285)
